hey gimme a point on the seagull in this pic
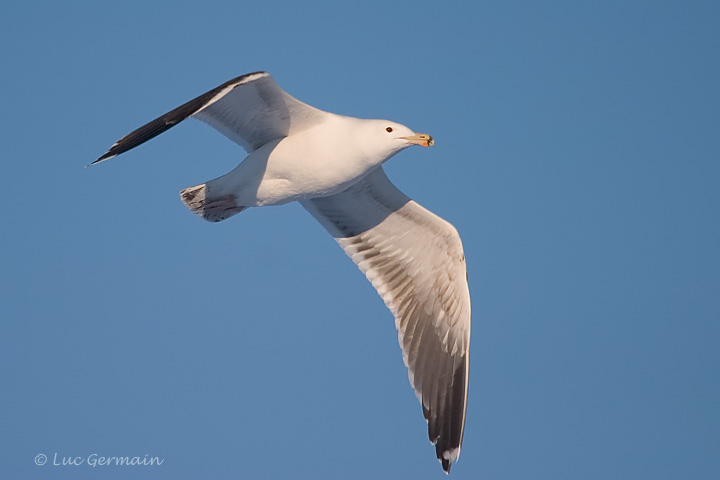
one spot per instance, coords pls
(332, 165)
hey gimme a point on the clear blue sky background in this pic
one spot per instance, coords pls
(578, 154)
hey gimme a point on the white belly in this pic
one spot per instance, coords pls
(304, 165)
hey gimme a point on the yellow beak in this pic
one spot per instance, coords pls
(422, 139)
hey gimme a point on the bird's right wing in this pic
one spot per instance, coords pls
(415, 261)
(250, 110)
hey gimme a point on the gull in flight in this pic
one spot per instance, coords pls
(332, 165)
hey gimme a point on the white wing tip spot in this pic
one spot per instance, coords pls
(449, 457)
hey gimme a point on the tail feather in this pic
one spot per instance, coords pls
(211, 209)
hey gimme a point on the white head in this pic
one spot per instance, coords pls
(383, 138)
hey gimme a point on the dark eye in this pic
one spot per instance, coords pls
(388, 129)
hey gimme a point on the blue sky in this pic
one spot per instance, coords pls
(578, 155)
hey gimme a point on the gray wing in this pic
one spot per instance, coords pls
(251, 110)
(415, 261)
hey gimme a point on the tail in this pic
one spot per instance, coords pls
(211, 209)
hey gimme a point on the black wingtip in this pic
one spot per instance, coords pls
(105, 156)
(446, 466)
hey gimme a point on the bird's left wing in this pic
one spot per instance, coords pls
(415, 261)
(250, 110)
